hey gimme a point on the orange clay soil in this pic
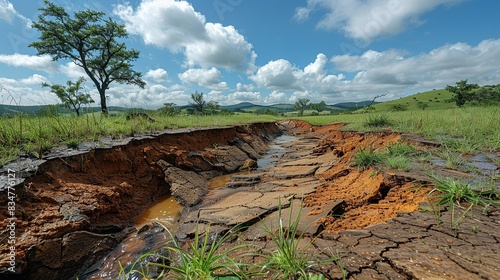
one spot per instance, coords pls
(371, 196)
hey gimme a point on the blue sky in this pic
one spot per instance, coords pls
(268, 52)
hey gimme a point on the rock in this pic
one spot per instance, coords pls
(249, 165)
(188, 187)
(227, 158)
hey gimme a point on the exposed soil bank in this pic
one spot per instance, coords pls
(75, 208)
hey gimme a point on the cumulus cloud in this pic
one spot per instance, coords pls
(275, 97)
(158, 75)
(282, 75)
(35, 80)
(209, 78)
(365, 20)
(177, 26)
(243, 96)
(278, 74)
(42, 63)
(73, 71)
(437, 68)
(153, 96)
(394, 72)
(243, 87)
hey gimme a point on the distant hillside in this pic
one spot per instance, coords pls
(354, 105)
(240, 107)
(47, 109)
(434, 99)
(284, 108)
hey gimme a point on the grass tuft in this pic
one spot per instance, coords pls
(364, 159)
(378, 121)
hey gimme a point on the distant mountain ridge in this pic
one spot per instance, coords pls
(240, 107)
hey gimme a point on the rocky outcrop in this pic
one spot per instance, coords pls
(187, 187)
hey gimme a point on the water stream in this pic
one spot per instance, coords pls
(167, 211)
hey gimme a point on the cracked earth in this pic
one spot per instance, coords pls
(378, 221)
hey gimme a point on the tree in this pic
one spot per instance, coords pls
(169, 109)
(90, 41)
(70, 96)
(301, 105)
(213, 106)
(320, 107)
(198, 102)
(463, 92)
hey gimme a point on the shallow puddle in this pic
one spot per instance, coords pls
(165, 211)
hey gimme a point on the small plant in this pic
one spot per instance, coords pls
(73, 143)
(398, 162)
(202, 259)
(453, 192)
(400, 149)
(289, 260)
(378, 121)
(366, 158)
(474, 228)
(452, 160)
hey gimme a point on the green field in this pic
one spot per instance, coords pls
(467, 130)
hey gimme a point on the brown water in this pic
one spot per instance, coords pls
(166, 210)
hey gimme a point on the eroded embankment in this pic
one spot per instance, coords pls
(366, 218)
(76, 208)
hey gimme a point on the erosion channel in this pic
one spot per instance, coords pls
(78, 211)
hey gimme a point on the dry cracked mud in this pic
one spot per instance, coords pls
(378, 221)
(375, 220)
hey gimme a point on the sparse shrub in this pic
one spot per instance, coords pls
(378, 121)
(399, 107)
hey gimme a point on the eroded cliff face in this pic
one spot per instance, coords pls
(77, 207)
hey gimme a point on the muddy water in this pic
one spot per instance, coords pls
(167, 211)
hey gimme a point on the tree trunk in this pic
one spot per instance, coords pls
(104, 107)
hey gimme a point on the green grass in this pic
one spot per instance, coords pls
(289, 260)
(449, 191)
(201, 259)
(32, 135)
(470, 129)
(366, 158)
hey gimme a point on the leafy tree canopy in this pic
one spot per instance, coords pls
(301, 105)
(90, 41)
(70, 96)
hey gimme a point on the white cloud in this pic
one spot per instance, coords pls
(9, 13)
(282, 75)
(73, 71)
(177, 26)
(242, 87)
(42, 63)
(35, 80)
(158, 75)
(394, 72)
(243, 96)
(152, 96)
(275, 97)
(277, 74)
(365, 20)
(209, 78)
